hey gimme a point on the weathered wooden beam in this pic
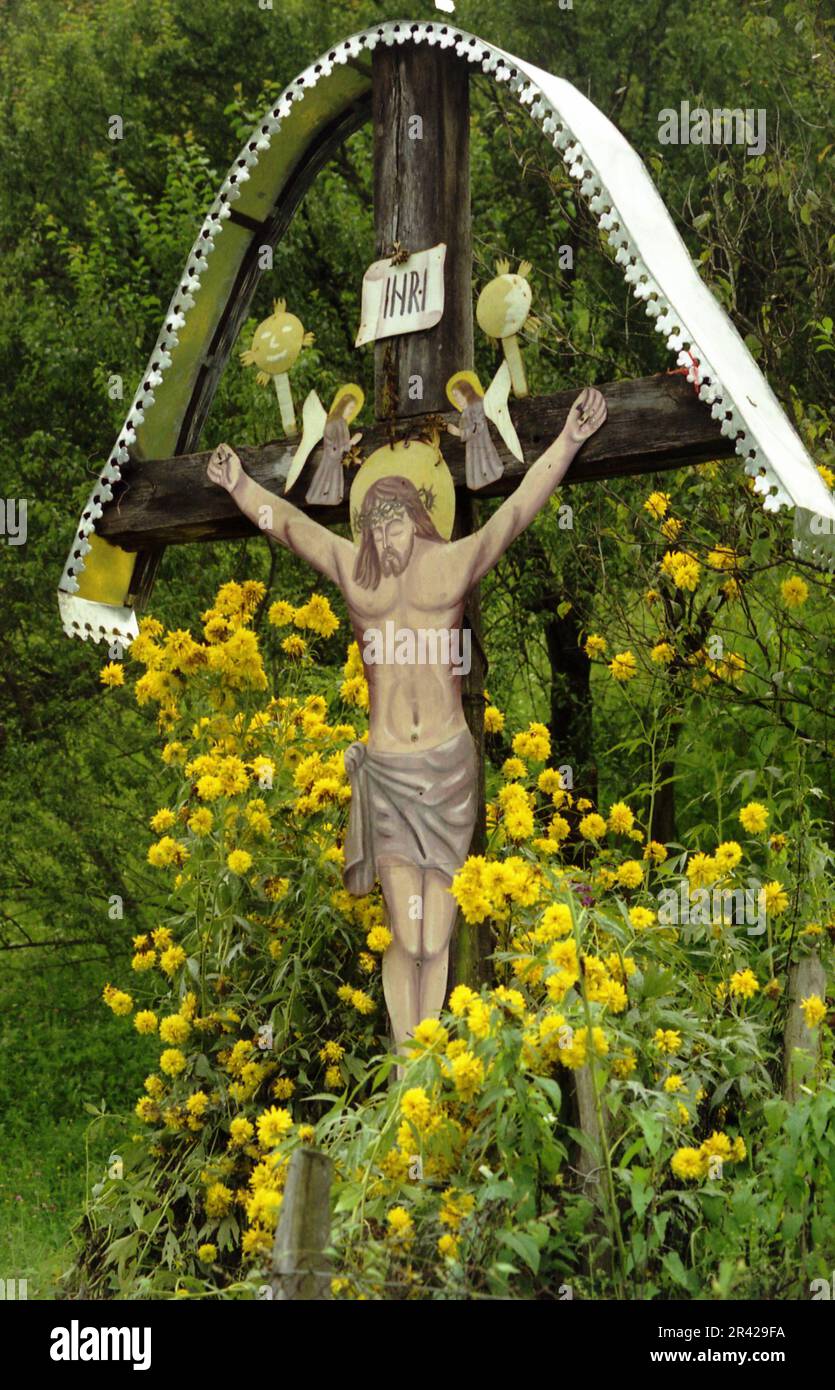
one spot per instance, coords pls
(421, 116)
(654, 424)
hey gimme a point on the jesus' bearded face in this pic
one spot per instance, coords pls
(394, 541)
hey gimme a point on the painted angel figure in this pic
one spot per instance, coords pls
(327, 486)
(482, 463)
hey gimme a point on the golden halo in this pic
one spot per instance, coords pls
(469, 377)
(424, 465)
(358, 396)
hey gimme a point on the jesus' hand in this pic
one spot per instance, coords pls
(585, 417)
(225, 467)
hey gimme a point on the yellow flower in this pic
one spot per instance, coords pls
(814, 1010)
(641, 918)
(621, 818)
(623, 666)
(461, 999)
(163, 820)
(794, 591)
(655, 851)
(776, 898)
(117, 1000)
(683, 569)
(378, 939)
(239, 861)
(592, 827)
(207, 1253)
(513, 768)
(630, 873)
(594, 646)
(657, 505)
(430, 1033)
(112, 674)
(273, 1125)
(728, 855)
(662, 654)
(467, 1074)
(167, 852)
(171, 959)
(218, 1199)
(744, 983)
(688, 1163)
(145, 1021)
(401, 1228)
(174, 1029)
(317, 616)
(493, 720)
(624, 1065)
(753, 817)
(416, 1107)
(201, 821)
(280, 613)
(276, 888)
(174, 754)
(701, 870)
(241, 1131)
(667, 1040)
(673, 1083)
(294, 646)
(172, 1061)
(533, 743)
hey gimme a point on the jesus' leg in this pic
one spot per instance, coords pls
(439, 910)
(401, 884)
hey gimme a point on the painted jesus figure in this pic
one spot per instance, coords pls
(414, 784)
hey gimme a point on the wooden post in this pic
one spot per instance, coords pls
(301, 1269)
(421, 114)
(806, 976)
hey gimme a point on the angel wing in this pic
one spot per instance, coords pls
(495, 408)
(314, 416)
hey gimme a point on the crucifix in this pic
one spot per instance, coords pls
(419, 783)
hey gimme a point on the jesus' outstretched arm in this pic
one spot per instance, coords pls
(331, 555)
(474, 555)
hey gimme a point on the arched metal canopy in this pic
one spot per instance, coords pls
(256, 203)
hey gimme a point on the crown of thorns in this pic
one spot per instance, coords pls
(388, 507)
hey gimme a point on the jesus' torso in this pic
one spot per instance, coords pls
(414, 704)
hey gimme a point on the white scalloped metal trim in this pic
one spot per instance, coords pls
(581, 166)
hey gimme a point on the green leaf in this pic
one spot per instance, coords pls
(524, 1245)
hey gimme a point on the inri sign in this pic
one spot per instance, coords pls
(402, 298)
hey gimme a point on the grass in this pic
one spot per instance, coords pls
(60, 1049)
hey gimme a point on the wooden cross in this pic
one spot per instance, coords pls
(421, 198)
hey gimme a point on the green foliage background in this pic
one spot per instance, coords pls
(93, 234)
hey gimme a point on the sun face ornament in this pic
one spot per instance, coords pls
(481, 460)
(276, 344)
(503, 309)
(327, 487)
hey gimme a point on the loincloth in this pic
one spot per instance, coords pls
(413, 808)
